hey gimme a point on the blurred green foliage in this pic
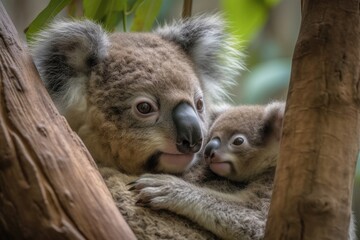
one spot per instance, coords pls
(266, 80)
(107, 12)
(269, 73)
(145, 15)
(137, 15)
(246, 17)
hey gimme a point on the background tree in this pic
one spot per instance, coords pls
(320, 141)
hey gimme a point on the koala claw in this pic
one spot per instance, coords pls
(142, 202)
(158, 191)
(131, 183)
(132, 188)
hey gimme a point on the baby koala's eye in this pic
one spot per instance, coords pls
(144, 108)
(238, 141)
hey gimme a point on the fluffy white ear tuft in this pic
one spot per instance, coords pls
(213, 51)
(64, 54)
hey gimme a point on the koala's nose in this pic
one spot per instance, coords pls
(188, 129)
(211, 147)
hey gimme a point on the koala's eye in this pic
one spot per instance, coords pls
(144, 108)
(238, 141)
(200, 105)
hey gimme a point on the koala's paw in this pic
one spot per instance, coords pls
(160, 191)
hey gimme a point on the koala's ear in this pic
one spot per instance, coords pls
(273, 120)
(211, 49)
(64, 54)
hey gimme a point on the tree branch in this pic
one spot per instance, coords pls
(187, 7)
(49, 185)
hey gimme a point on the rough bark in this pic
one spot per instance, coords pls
(320, 143)
(49, 185)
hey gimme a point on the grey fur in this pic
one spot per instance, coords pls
(94, 91)
(96, 79)
(64, 54)
(66, 51)
(229, 209)
(210, 47)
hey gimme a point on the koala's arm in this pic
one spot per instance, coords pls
(240, 215)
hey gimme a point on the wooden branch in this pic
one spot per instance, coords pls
(314, 178)
(187, 7)
(49, 185)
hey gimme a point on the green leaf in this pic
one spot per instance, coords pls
(106, 12)
(112, 19)
(245, 17)
(271, 2)
(145, 15)
(116, 9)
(46, 15)
(91, 7)
(133, 5)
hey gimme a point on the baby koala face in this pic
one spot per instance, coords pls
(244, 141)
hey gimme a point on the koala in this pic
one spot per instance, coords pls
(229, 191)
(139, 101)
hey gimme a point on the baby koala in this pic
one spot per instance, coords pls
(228, 191)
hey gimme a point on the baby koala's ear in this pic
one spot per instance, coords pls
(273, 120)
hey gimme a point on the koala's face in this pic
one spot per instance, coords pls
(146, 103)
(244, 141)
(137, 100)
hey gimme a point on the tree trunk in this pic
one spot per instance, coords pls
(320, 141)
(49, 185)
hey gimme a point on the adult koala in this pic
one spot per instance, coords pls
(139, 101)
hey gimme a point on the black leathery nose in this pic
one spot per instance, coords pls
(211, 147)
(188, 129)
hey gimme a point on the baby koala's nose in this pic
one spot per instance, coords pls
(211, 147)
